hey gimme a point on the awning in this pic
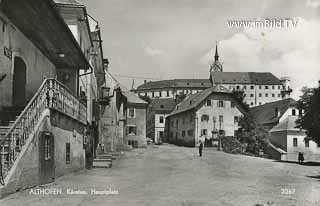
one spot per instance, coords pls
(41, 22)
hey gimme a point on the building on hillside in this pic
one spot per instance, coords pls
(136, 120)
(258, 87)
(40, 92)
(278, 119)
(157, 112)
(203, 115)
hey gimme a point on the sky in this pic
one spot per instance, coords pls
(167, 39)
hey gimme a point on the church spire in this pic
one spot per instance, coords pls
(216, 56)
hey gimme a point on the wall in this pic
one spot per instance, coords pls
(38, 65)
(139, 120)
(25, 171)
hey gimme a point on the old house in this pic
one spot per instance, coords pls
(157, 111)
(278, 119)
(136, 120)
(45, 126)
(203, 115)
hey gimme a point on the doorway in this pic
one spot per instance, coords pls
(19, 82)
(46, 158)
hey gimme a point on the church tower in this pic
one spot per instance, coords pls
(216, 66)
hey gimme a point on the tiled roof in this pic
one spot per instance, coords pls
(163, 105)
(259, 78)
(289, 124)
(265, 114)
(133, 98)
(194, 100)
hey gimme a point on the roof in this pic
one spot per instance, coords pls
(133, 98)
(163, 105)
(176, 83)
(192, 101)
(288, 124)
(265, 114)
(259, 78)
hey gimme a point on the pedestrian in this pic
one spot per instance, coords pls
(300, 158)
(200, 148)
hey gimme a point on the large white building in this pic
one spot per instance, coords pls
(258, 87)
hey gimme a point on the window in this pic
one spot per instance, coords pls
(160, 94)
(260, 103)
(266, 94)
(295, 142)
(251, 95)
(204, 117)
(293, 112)
(260, 87)
(251, 87)
(238, 87)
(220, 103)
(152, 94)
(68, 157)
(161, 106)
(244, 87)
(208, 102)
(232, 104)
(260, 95)
(183, 134)
(132, 130)
(183, 120)
(168, 94)
(236, 119)
(306, 143)
(279, 95)
(266, 87)
(279, 87)
(47, 155)
(145, 94)
(191, 118)
(190, 132)
(272, 95)
(220, 118)
(177, 123)
(161, 119)
(272, 87)
(244, 95)
(204, 132)
(251, 103)
(131, 112)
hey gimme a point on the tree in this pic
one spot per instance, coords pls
(309, 103)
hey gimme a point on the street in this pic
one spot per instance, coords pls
(172, 175)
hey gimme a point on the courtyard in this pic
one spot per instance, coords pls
(172, 175)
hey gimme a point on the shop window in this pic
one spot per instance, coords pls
(68, 153)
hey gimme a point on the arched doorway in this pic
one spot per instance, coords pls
(19, 82)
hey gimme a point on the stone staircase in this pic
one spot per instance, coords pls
(104, 160)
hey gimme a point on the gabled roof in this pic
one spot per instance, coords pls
(288, 124)
(265, 114)
(133, 98)
(192, 101)
(163, 105)
(69, 2)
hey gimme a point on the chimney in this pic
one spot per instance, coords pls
(277, 112)
(144, 81)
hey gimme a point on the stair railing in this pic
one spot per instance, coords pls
(51, 94)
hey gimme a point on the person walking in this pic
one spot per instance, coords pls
(200, 148)
(300, 158)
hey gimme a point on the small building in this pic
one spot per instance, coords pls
(278, 120)
(203, 115)
(157, 112)
(136, 120)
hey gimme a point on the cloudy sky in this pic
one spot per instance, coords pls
(165, 39)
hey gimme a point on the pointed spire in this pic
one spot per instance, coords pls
(216, 56)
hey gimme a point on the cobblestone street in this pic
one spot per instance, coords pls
(171, 175)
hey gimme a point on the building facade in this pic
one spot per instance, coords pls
(258, 88)
(136, 120)
(157, 112)
(203, 115)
